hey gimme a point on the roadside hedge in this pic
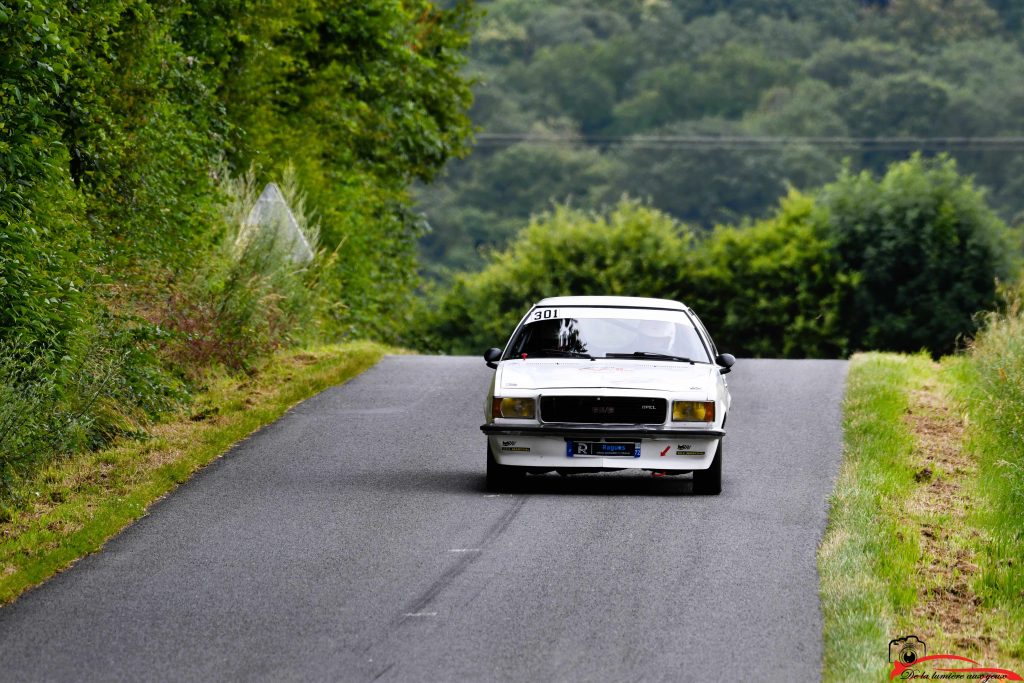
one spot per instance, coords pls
(125, 128)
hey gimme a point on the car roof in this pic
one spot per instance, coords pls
(611, 302)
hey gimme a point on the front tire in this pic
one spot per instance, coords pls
(502, 478)
(709, 482)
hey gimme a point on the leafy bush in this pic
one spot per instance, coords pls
(44, 272)
(899, 263)
(142, 127)
(925, 250)
(997, 354)
(34, 63)
(772, 288)
(633, 250)
(26, 397)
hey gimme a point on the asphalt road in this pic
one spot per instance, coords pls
(353, 540)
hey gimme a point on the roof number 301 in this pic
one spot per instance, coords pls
(546, 314)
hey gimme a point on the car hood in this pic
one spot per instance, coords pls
(608, 374)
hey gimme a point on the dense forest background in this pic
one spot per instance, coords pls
(712, 108)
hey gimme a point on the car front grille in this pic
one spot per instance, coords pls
(603, 409)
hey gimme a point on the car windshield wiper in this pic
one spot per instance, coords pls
(566, 354)
(650, 355)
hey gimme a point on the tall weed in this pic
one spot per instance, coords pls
(111, 376)
(109, 383)
(250, 297)
(993, 375)
(997, 356)
(27, 393)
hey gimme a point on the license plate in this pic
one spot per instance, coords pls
(602, 449)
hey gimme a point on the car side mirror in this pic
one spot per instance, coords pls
(492, 356)
(726, 361)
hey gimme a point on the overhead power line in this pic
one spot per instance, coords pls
(697, 142)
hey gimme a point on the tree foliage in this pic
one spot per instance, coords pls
(363, 98)
(772, 288)
(633, 250)
(124, 125)
(926, 251)
(900, 262)
(619, 82)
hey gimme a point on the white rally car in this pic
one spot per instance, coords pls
(595, 383)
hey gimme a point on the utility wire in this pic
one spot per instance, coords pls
(699, 142)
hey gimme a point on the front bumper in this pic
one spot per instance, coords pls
(545, 446)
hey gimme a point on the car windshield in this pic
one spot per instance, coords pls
(606, 337)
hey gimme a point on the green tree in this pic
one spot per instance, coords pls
(609, 69)
(810, 108)
(724, 84)
(840, 16)
(525, 176)
(633, 250)
(906, 104)
(924, 250)
(518, 179)
(1011, 11)
(768, 289)
(709, 184)
(838, 63)
(364, 98)
(563, 81)
(772, 288)
(933, 22)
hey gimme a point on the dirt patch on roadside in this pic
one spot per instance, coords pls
(947, 607)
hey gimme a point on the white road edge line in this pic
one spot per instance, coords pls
(420, 614)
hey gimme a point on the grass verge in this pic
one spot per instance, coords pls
(865, 561)
(908, 535)
(989, 387)
(83, 500)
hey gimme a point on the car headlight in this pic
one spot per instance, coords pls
(520, 408)
(693, 411)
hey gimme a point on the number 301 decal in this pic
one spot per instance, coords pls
(546, 314)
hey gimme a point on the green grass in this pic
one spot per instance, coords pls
(866, 561)
(957, 426)
(83, 500)
(990, 390)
